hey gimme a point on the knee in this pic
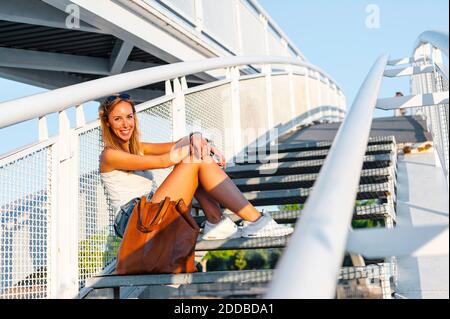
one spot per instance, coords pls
(194, 162)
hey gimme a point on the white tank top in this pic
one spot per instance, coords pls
(123, 186)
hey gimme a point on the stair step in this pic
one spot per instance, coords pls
(110, 281)
(242, 276)
(290, 216)
(369, 176)
(306, 155)
(315, 145)
(292, 196)
(295, 196)
(298, 167)
(242, 243)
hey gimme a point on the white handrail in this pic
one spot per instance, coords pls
(34, 106)
(309, 267)
(438, 39)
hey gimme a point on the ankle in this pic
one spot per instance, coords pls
(255, 219)
(214, 220)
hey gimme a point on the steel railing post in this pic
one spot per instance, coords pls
(267, 70)
(178, 111)
(292, 101)
(234, 76)
(65, 218)
(309, 119)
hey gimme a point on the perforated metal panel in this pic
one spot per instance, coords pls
(252, 30)
(368, 282)
(97, 243)
(185, 7)
(253, 102)
(281, 100)
(25, 213)
(220, 21)
(205, 111)
(155, 125)
(443, 118)
(437, 116)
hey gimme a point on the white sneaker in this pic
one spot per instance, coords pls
(265, 226)
(226, 228)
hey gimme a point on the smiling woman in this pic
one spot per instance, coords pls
(126, 164)
(119, 125)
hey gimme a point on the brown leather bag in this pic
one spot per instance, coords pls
(160, 238)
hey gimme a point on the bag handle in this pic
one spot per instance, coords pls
(154, 224)
(183, 210)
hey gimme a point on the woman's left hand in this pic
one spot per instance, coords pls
(221, 158)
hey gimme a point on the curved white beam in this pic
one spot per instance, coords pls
(438, 39)
(309, 267)
(20, 110)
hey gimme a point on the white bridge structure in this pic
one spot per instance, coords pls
(227, 69)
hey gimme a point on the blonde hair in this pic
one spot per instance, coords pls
(110, 139)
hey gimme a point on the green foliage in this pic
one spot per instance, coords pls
(291, 207)
(256, 260)
(96, 251)
(238, 260)
(275, 254)
(367, 223)
(242, 259)
(366, 202)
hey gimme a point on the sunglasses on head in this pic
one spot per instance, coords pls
(123, 96)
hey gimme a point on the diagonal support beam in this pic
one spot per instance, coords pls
(419, 100)
(141, 29)
(119, 56)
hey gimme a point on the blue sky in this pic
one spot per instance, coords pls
(332, 35)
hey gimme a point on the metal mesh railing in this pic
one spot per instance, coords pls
(25, 214)
(27, 258)
(206, 111)
(156, 126)
(97, 243)
(441, 85)
(366, 282)
(437, 116)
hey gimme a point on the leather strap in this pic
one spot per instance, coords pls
(154, 224)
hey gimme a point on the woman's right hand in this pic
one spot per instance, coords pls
(197, 145)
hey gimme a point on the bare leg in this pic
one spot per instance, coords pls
(210, 207)
(185, 178)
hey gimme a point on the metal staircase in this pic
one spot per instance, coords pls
(293, 178)
(56, 234)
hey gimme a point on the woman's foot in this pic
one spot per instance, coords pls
(265, 226)
(224, 229)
